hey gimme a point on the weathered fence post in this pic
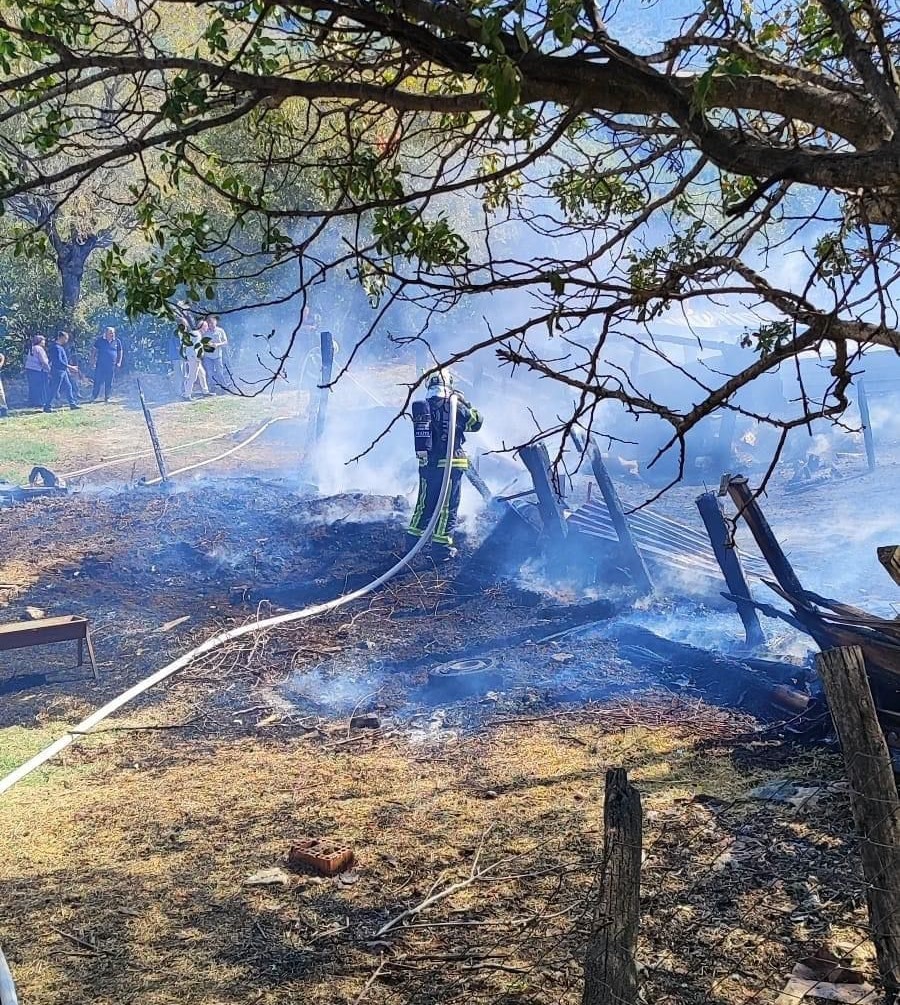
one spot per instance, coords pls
(873, 798)
(537, 460)
(868, 436)
(154, 438)
(610, 968)
(730, 564)
(326, 343)
(747, 507)
(636, 565)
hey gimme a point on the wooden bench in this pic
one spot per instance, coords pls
(47, 631)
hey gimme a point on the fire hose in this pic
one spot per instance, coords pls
(84, 727)
(7, 988)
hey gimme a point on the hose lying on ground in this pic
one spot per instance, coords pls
(226, 453)
(7, 988)
(92, 720)
(140, 455)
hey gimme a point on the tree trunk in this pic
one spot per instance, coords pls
(610, 970)
(873, 797)
(71, 259)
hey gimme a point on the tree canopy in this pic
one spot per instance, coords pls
(587, 171)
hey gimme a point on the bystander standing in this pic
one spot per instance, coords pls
(106, 360)
(195, 371)
(61, 372)
(3, 409)
(215, 359)
(37, 372)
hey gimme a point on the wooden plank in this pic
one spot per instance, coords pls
(610, 968)
(873, 798)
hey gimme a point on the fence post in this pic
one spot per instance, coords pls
(610, 969)
(636, 565)
(730, 564)
(873, 797)
(868, 436)
(154, 437)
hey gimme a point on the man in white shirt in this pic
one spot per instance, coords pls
(195, 369)
(214, 359)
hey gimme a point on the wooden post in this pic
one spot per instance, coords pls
(610, 969)
(862, 399)
(889, 556)
(730, 564)
(479, 483)
(537, 460)
(873, 797)
(639, 574)
(748, 508)
(725, 439)
(154, 437)
(326, 342)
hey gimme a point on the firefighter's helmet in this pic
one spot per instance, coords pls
(440, 385)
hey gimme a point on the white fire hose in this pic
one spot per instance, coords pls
(109, 708)
(7, 988)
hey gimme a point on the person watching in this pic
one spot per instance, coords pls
(61, 372)
(106, 359)
(37, 372)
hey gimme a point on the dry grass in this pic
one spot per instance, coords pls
(123, 878)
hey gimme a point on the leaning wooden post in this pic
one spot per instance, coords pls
(610, 968)
(873, 797)
(326, 342)
(154, 437)
(636, 564)
(749, 509)
(537, 460)
(889, 556)
(730, 564)
(868, 438)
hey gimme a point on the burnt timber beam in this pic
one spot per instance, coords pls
(537, 460)
(730, 564)
(889, 556)
(636, 565)
(748, 508)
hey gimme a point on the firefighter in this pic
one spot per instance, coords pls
(431, 427)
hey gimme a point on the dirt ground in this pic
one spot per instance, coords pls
(131, 865)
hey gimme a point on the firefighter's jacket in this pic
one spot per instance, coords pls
(468, 420)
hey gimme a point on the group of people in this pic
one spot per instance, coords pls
(50, 371)
(197, 356)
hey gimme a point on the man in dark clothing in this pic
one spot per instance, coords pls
(60, 368)
(107, 358)
(433, 463)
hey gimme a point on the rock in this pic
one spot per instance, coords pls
(275, 876)
(35, 613)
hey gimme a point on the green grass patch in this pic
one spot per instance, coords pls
(18, 743)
